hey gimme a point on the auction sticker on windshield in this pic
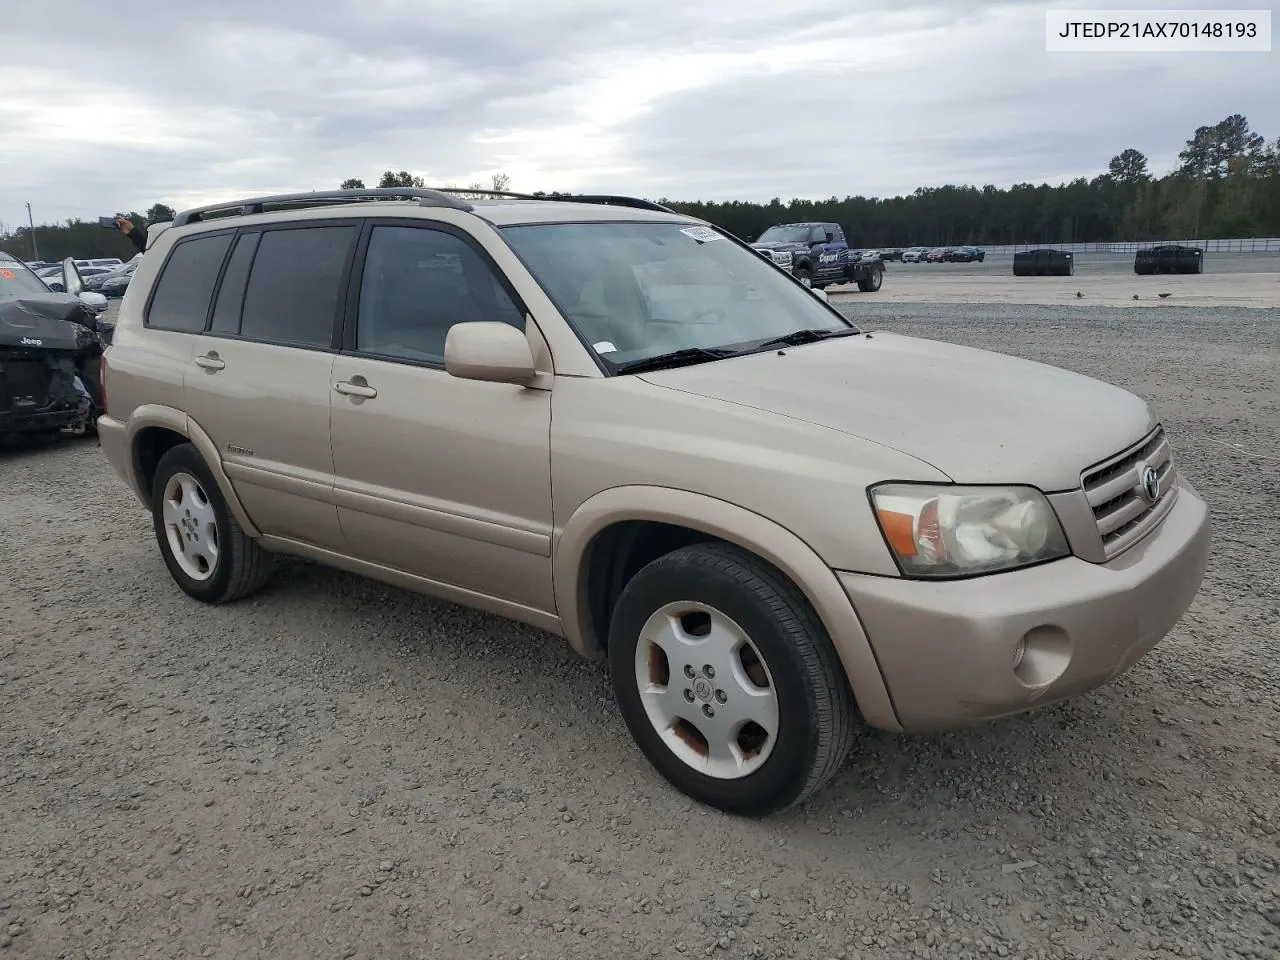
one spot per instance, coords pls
(701, 234)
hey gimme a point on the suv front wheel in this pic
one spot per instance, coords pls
(727, 680)
(206, 551)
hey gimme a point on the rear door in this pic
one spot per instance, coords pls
(259, 380)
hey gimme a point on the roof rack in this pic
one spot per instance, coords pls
(430, 197)
(321, 198)
(606, 199)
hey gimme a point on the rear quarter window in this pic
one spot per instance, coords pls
(181, 299)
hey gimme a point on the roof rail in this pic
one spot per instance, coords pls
(606, 199)
(321, 198)
(614, 201)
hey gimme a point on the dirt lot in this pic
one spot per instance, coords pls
(335, 769)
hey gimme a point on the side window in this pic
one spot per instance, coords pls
(417, 283)
(226, 312)
(819, 235)
(294, 285)
(181, 298)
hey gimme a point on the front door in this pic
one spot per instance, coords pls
(443, 478)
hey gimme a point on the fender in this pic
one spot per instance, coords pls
(155, 415)
(733, 524)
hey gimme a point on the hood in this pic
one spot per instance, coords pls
(977, 416)
(57, 321)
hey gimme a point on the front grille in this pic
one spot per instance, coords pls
(1121, 507)
(24, 383)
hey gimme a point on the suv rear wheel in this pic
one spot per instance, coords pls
(727, 680)
(206, 551)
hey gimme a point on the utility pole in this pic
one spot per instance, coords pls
(35, 252)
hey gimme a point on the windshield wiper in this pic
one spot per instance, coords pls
(676, 358)
(805, 335)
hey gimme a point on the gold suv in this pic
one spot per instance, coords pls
(624, 426)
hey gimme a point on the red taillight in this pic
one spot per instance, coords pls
(102, 380)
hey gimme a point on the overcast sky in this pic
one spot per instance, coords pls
(115, 106)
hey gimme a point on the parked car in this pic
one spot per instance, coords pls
(105, 262)
(53, 275)
(891, 253)
(914, 254)
(50, 352)
(658, 446)
(937, 255)
(115, 282)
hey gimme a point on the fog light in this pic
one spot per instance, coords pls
(1019, 652)
(1043, 656)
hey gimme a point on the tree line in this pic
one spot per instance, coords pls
(83, 239)
(1226, 184)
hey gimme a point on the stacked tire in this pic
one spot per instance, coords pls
(1168, 258)
(1044, 263)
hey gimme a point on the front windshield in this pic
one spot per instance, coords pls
(639, 290)
(18, 281)
(786, 234)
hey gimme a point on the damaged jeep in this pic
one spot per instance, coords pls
(50, 350)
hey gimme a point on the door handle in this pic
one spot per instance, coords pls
(210, 361)
(351, 389)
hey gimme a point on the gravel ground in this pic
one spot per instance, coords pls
(339, 769)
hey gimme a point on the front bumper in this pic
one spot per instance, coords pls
(960, 651)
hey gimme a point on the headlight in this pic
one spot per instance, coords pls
(949, 531)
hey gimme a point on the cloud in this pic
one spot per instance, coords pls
(689, 101)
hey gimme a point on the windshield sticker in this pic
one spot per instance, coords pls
(604, 346)
(8, 274)
(701, 234)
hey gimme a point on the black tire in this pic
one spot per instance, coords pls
(242, 567)
(802, 274)
(871, 280)
(815, 708)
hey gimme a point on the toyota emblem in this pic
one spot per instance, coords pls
(1149, 479)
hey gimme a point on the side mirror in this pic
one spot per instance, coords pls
(831, 237)
(485, 350)
(71, 281)
(94, 301)
(820, 294)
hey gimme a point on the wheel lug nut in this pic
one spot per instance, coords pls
(721, 696)
(709, 670)
(688, 671)
(688, 695)
(706, 709)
